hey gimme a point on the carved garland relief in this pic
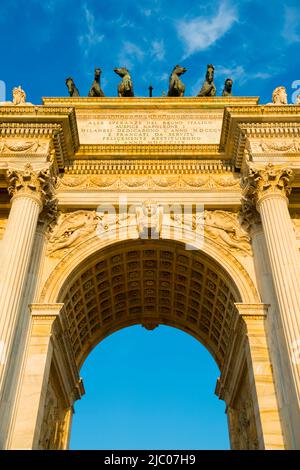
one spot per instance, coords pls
(92, 182)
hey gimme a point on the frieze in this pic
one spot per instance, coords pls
(275, 146)
(114, 182)
(21, 146)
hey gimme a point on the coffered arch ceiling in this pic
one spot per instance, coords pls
(149, 283)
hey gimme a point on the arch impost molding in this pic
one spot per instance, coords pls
(252, 311)
(46, 311)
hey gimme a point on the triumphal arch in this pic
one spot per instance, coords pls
(175, 211)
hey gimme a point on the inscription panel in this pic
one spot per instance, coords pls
(150, 128)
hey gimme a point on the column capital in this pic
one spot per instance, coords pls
(37, 184)
(267, 181)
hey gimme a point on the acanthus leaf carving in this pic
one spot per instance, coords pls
(268, 179)
(36, 183)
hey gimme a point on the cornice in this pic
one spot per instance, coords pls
(147, 166)
(241, 124)
(151, 103)
(138, 150)
(32, 122)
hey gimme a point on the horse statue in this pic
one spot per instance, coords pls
(125, 87)
(208, 88)
(227, 91)
(176, 87)
(96, 90)
(73, 91)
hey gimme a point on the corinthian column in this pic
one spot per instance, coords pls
(31, 191)
(269, 188)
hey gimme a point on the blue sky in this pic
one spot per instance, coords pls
(254, 42)
(150, 390)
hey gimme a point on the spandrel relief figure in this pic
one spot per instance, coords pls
(72, 229)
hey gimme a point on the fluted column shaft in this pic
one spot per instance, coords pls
(268, 188)
(11, 392)
(30, 190)
(17, 247)
(283, 256)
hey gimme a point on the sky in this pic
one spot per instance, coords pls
(255, 43)
(150, 390)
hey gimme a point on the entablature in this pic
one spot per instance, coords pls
(37, 134)
(262, 134)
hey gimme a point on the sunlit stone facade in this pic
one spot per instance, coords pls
(175, 211)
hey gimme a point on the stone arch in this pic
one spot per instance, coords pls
(149, 282)
(103, 284)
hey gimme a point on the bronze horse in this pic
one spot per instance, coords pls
(96, 90)
(227, 91)
(176, 87)
(208, 88)
(125, 87)
(73, 91)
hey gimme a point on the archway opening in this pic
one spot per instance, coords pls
(150, 283)
(153, 283)
(150, 390)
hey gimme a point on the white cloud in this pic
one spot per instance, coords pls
(91, 37)
(201, 32)
(291, 29)
(122, 22)
(129, 54)
(146, 12)
(241, 75)
(158, 50)
(237, 73)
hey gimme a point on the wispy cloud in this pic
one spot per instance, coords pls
(291, 29)
(129, 54)
(146, 11)
(239, 74)
(90, 37)
(201, 32)
(123, 22)
(158, 50)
